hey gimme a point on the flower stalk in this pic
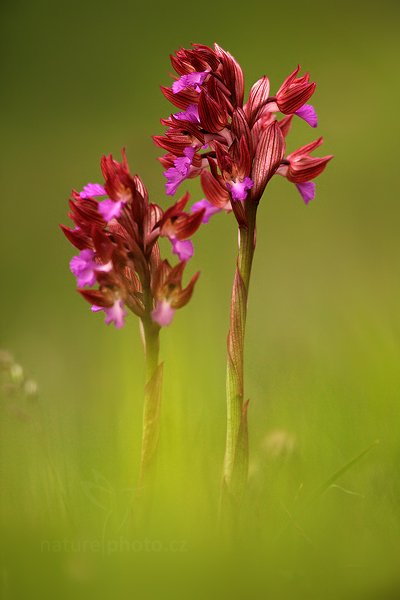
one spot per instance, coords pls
(152, 402)
(236, 451)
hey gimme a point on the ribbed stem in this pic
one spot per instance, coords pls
(236, 453)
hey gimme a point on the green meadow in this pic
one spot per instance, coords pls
(321, 518)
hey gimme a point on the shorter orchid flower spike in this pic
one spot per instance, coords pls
(117, 238)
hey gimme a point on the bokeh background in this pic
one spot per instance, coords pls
(79, 79)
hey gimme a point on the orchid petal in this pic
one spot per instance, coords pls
(163, 313)
(239, 189)
(307, 190)
(92, 190)
(182, 248)
(210, 209)
(109, 209)
(308, 114)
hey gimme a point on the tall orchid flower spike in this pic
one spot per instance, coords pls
(119, 268)
(236, 147)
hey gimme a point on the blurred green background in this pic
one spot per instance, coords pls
(322, 368)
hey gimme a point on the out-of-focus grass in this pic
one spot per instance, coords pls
(323, 330)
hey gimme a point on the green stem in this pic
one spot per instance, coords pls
(236, 453)
(152, 401)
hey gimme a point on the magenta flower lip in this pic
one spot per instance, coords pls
(308, 114)
(307, 190)
(191, 80)
(191, 114)
(110, 210)
(182, 248)
(239, 189)
(208, 208)
(163, 313)
(83, 267)
(91, 190)
(116, 313)
(180, 171)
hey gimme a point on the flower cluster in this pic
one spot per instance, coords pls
(234, 147)
(116, 231)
